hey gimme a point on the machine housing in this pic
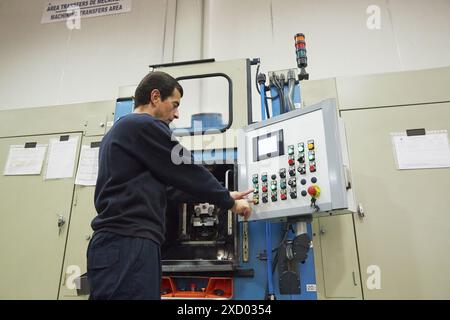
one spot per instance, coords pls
(297, 163)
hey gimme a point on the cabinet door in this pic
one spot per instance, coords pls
(31, 243)
(80, 233)
(404, 238)
(338, 271)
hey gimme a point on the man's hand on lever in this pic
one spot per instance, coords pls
(241, 204)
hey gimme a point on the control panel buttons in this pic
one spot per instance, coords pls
(304, 161)
(290, 150)
(314, 191)
(293, 194)
(292, 171)
(302, 169)
(255, 189)
(264, 177)
(292, 182)
(255, 199)
(301, 158)
(310, 144)
(274, 197)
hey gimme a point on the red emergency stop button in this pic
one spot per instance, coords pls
(314, 191)
(291, 162)
(283, 196)
(312, 168)
(264, 189)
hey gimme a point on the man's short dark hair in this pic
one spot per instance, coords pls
(162, 81)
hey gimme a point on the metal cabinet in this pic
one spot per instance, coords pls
(80, 233)
(336, 260)
(403, 237)
(31, 243)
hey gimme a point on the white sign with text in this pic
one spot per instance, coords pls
(62, 10)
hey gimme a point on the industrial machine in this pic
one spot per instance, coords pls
(296, 162)
(293, 161)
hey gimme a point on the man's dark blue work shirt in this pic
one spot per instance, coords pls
(135, 170)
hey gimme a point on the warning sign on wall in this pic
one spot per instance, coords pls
(63, 10)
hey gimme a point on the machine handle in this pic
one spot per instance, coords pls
(61, 222)
(227, 173)
(354, 278)
(230, 214)
(360, 211)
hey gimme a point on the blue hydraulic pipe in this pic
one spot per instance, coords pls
(262, 89)
(269, 258)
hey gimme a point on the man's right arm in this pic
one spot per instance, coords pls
(156, 152)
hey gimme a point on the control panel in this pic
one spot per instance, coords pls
(295, 163)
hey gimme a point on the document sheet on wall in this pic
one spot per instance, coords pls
(61, 158)
(430, 150)
(88, 166)
(25, 160)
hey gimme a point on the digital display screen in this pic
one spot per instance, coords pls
(268, 145)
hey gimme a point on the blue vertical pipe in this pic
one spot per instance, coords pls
(262, 89)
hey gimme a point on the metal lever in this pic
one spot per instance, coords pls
(230, 214)
(61, 223)
(245, 242)
(227, 173)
